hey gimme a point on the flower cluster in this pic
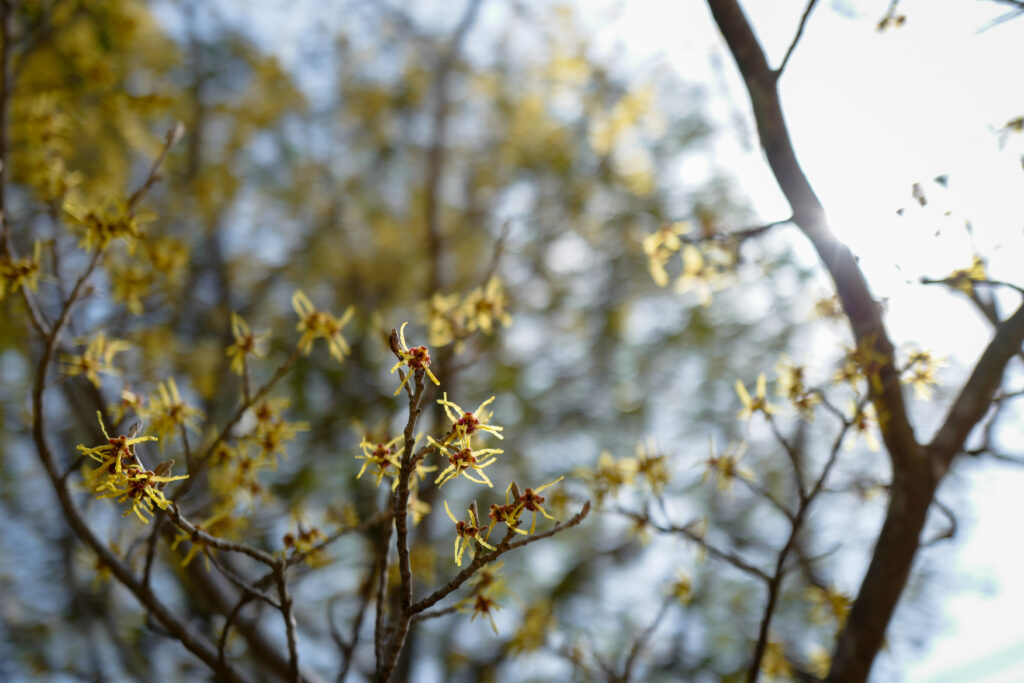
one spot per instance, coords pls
(97, 228)
(457, 447)
(120, 475)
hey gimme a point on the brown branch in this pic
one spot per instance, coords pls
(437, 149)
(480, 559)
(796, 38)
(289, 621)
(347, 647)
(185, 486)
(978, 392)
(5, 96)
(712, 550)
(809, 215)
(172, 136)
(914, 480)
(177, 628)
(643, 638)
(223, 641)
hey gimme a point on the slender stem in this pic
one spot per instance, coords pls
(289, 621)
(796, 38)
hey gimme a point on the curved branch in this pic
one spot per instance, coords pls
(809, 215)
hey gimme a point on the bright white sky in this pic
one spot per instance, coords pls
(870, 114)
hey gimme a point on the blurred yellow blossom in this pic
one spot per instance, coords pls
(316, 324)
(167, 412)
(726, 467)
(245, 344)
(21, 273)
(757, 403)
(485, 306)
(97, 357)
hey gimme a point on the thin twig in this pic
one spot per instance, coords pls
(289, 621)
(172, 137)
(698, 538)
(222, 642)
(796, 38)
(481, 559)
(643, 638)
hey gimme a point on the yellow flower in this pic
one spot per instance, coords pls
(22, 273)
(726, 466)
(416, 359)
(314, 324)
(774, 663)
(417, 508)
(531, 502)
(485, 306)
(791, 385)
(919, 372)
(98, 357)
(537, 622)
(963, 279)
(609, 476)
(221, 524)
(483, 604)
(168, 256)
(463, 460)
(167, 411)
(466, 424)
(273, 432)
(120, 475)
(653, 468)
(465, 533)
(142, 488)
(682, 588)
(864, 421)
(659, 247)
(130, 284)
(383, 456)
(445, 320)
(703, 271)
(829, 308)
(757, 403)
(246, 343)
(863, 362)
(828, 603)
(820, 662)
(116, 454)
(507, 514)
(97, 228)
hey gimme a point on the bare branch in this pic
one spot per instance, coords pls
(975, 399)
(796, 38)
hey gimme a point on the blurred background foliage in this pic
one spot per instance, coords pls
(406, 158)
